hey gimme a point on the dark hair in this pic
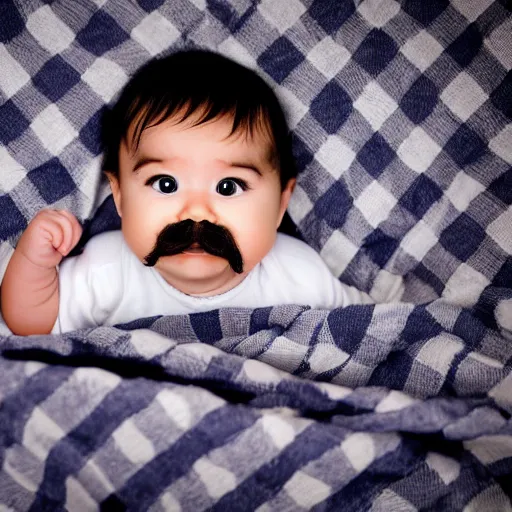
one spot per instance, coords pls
(196, 82)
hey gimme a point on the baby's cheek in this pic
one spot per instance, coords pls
(138, 231)
(255, 245)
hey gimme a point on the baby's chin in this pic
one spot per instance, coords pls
(199, 274)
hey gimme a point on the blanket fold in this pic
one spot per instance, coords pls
(419, 391)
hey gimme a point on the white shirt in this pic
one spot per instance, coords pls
(108, 285)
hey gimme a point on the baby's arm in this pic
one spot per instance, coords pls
(30, 288)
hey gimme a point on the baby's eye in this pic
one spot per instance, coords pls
(164, 184)
(231, 187)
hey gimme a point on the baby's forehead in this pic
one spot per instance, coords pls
(255, 138)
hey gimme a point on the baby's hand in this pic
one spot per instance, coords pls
(49, 237)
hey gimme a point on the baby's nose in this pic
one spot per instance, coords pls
(197, 208)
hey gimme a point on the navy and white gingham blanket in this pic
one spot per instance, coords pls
(401, 119)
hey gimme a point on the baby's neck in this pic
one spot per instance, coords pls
(206, 287)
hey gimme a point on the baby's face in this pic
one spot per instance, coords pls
(181, 172)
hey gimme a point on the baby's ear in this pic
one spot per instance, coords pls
(116, 190)
(285, 198)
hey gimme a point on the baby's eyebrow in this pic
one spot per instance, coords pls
(144, 160)
(246, 165)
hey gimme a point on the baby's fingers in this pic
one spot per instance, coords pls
(49, 224)
(47, 238)
(70, 230)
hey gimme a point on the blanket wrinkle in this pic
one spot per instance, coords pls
(167, 358)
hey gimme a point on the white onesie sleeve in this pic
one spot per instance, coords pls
(90, 284)
(339, 294)
(301, 269)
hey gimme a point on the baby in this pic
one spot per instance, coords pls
(198, 156)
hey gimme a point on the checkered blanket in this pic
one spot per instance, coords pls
(401, 121)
